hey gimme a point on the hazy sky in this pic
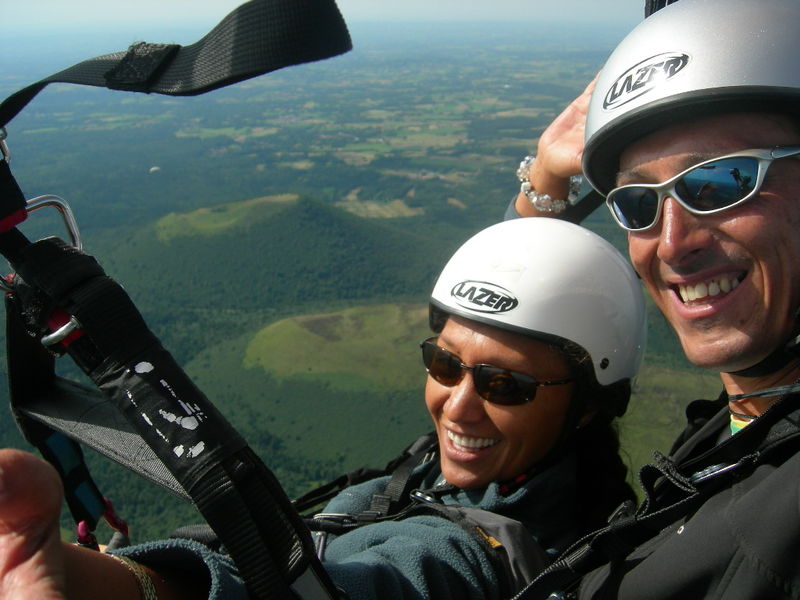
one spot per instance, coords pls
(63, 32)
(44, 14)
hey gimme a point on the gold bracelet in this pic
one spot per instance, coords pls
(147, 589)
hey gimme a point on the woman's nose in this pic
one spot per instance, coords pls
(464, 404)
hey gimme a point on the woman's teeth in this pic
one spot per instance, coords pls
(712, 287)
(470, 444)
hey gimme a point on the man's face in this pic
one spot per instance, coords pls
(728, 283)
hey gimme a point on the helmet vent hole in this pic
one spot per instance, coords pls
(604, 363)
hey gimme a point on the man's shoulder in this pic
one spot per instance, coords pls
(698, 415)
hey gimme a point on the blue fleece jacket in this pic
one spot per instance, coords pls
(421, 557)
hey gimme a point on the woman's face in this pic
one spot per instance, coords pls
(481, 442)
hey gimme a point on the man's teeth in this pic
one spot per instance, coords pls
(713, 287)
(470, 443)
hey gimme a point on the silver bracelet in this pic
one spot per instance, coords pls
(147, 588)
(544, 202)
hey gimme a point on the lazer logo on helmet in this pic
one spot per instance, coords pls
(643, 77)
(482, 296)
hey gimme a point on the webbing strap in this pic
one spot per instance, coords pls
(205, 458)
(776, 428)
(236, 493)
(651, 6)
(258, 37)
(395, 493)
(314, 498)
(583, 208)
(12, 200)
(30, 373)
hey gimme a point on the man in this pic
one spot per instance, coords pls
(716, 242)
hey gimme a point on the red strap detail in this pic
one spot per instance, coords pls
(8, 223)
(114, 519)
(58, 318)
(86, 536)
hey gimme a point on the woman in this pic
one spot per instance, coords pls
(540, 328)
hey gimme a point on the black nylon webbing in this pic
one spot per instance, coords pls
(258, 37)
(234, 490)
(396, 491)
(30, 373)
(583, 208)
(775, 429)
(236, 493)
(651, 6)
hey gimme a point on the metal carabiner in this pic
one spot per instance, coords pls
(61, 333)
(66, 214)
(4, 151)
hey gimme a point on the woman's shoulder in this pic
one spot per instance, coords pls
(357, 498)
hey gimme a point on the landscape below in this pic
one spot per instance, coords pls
(281, 236)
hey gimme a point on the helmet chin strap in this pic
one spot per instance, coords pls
(781, 357)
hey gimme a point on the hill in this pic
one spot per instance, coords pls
(275, 254)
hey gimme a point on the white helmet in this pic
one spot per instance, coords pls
(552, 280)
(692, 59)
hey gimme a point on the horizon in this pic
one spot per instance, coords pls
(63, 33)
(42, 15)
(29, 52)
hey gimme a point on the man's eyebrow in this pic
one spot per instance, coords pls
(639, 175)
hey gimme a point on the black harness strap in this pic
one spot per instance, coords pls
(411, 456)
(651, 6)
(30, 374)
(12, 201)
(235, 492)
(167, 419)
(395, 494)
(776, 429)
(583, 208)
(258, 37)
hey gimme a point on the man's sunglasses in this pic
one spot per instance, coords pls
(494, 384)
(710, 187)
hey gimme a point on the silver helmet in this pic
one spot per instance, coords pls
(692, 59)
(552, 280)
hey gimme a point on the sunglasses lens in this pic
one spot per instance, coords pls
(634, 207)
(503, 387)
(718, 184)
(709, 187)
(441, 365)
(493, 384)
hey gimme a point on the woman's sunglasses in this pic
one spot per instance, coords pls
(712, 186)
(494, 384)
